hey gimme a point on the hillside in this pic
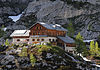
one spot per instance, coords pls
(41, 57)
(21, 14)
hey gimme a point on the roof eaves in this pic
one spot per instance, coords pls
(49, 26)
(66, 39)
(33, 25)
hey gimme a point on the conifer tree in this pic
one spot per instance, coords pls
(81, 48)
(7, 42)
(79, 37)
(91, 45)
(70, 29)
(24, 51)
(79, 43)
(92, 48)
(2, 32)
(32, 59)
(2, 26)
(96, 49)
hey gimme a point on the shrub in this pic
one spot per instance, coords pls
(32, 59)
(7, 42)
(23, 52)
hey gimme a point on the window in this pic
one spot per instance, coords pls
(70, 51)
(38, 39)
(33, 40)
(59, 33)
(18, 39)
(40, 27)
(53, 40)
(27, 39)
(30, 33)
(42, 39)
(38, 33)
(33, 33)
(42, 33)
(56, 40)
(37, 27)
(49, 39)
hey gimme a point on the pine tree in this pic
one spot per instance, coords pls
(96, 49)
(92, 48)
(79, 44)
(32, 59)
(81, 48)
(7, 42)
(79, 37)
(24, 51)
(85, 51)
(2, 32)
(2, 26)
(70, 29)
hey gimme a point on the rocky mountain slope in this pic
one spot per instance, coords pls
(90, 1)
(11, 7)
(45, 58)
(83, 13)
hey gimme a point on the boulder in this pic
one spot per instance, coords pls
(7, 59)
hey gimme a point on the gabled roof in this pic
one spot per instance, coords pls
(66, 39)
(51, 26)
(20, 33)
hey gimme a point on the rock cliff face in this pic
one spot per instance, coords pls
(91, 1)
(45, 58)
(88, 25)
(11, 7)
(83, 13)
(57, 11)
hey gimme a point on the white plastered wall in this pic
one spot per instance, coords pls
(68, 49)
(23, 40)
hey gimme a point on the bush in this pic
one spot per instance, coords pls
(25, 44)
(7, 42)
(32, 59)
(24, 52)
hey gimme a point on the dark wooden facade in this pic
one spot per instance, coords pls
(38, 29)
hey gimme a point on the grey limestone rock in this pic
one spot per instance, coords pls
(7, 59)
